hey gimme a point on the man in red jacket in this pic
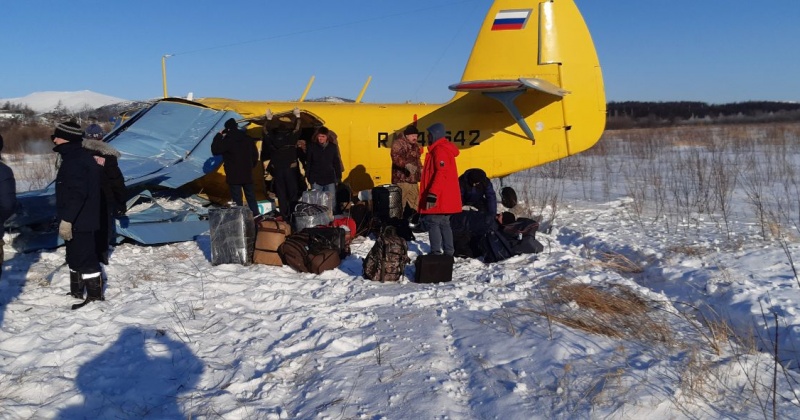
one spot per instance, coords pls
(440, 195)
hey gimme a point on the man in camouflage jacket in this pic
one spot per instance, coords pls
(406, 166)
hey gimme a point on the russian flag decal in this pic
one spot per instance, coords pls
(506, 20)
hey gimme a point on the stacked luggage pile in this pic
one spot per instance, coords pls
(315, 240)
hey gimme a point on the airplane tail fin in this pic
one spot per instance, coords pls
(529, 49)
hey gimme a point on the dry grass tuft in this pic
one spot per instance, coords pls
(618, 263)
(616, 312)
(688, 250)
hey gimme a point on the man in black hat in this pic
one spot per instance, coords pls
(78, 208)
(239, 156)
(406, 165)
(8, 198)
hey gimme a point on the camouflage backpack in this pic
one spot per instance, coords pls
(387, 259)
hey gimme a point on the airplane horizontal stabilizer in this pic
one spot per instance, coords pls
(509, 85)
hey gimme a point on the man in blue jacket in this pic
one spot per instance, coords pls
(8, 198)
(78, 209)
(477, 191)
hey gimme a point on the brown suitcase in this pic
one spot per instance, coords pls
(270, 234)
(323, 260)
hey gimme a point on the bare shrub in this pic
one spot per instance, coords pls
(18, 138)
(35, 173)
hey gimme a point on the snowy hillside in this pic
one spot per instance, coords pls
(42, 102)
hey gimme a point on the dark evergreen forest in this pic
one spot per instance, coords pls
(632, 114)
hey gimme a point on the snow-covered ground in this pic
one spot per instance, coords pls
(644, 304)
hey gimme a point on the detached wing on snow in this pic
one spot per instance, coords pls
(166, 145)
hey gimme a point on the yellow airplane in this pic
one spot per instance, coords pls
(532, 92)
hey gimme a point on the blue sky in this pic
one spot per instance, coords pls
(706, 50)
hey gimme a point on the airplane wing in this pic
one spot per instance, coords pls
(166, 145)
(169, 144)
(307, 119)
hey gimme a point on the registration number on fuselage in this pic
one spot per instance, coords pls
(462, 137)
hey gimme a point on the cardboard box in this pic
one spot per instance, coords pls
(266, 206)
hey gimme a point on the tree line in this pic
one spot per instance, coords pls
(635, 114)
(621, 115)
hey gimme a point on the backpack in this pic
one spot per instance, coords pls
(387, 259)
(468, 228)
(496, 247)
(522, 227)
(522, 236)
(508, 197)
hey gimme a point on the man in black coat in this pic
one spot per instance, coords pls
(113, 193)
(8, 198)
(279, 146)
(323, 162)
(78, 209)
(239, 157)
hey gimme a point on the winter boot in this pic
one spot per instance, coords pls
(76, 285)
(94, 289)
(94, 286)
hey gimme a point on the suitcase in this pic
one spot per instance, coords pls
(361, 216)
(433, 269)
(294, 251)
(270, 234)
(323, 260)
(320, 198)
(387, 202)
(335, 235)
(306, 215)
(349, 226)
(233, 235)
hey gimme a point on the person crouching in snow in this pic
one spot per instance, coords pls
(440, 195)
(78, 209)
(113, 193)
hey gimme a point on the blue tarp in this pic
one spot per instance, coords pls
(166, 145)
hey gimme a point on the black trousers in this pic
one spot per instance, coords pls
(249, 195)
(286, 188)
(105, 235)
(82, 253)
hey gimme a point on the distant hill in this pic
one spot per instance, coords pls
(73, 102)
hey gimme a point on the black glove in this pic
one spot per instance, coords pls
(430, 201)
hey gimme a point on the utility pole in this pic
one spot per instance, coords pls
(164, 71)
